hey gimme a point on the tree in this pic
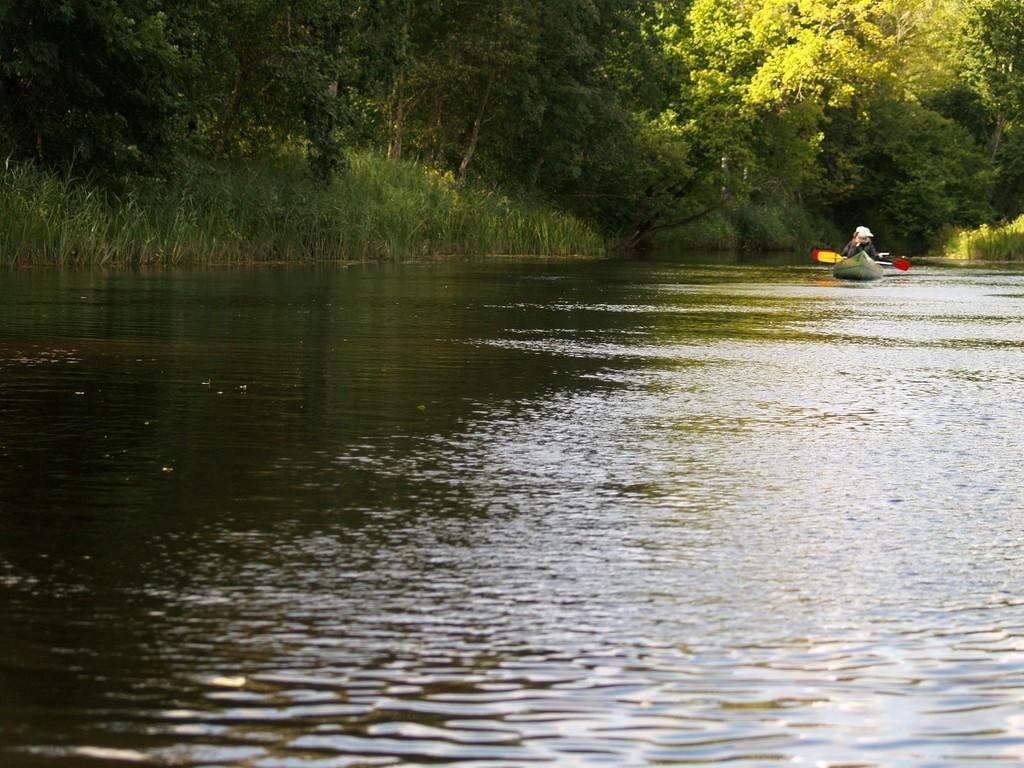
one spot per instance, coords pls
(994, 35)
(89, 84)
(992, 68)
(263, 73)
(917, 173)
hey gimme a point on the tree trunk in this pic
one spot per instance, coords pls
(231, 112)
(535, 172)
(638, 238)
(397, 117)
(474, 134)
(649, 221)
(397, 110)
(997, 136)
(435, 147)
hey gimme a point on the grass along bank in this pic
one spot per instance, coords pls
(1001, 243)
(271, 211)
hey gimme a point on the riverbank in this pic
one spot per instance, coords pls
(271, 211)
(1002, 243)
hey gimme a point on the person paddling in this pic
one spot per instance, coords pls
(861, 241)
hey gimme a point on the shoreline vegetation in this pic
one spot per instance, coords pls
(142, 132)
(272, 212)
(275, 212)
(1004, 242)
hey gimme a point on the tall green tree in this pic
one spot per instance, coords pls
(95, 84)
(819, 101)
(461, 78)
(264, 73)
(911, 173)
(992, 70)
(540, 96)
(994, 38)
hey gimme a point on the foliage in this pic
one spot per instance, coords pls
(993, 33)
(263, 73)
(993, 66)
(765, 226)
(909, 170)
(86, 83)
(639, 116)
(1008, 190)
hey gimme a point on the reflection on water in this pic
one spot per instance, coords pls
(506, 514)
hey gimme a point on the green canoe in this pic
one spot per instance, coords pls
(858, 267)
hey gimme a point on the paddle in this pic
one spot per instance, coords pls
(831, 257)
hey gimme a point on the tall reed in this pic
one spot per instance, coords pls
(271, 211)
(999, 243)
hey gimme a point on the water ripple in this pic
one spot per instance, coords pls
(495, 518)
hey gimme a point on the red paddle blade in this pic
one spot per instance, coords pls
(901, 264)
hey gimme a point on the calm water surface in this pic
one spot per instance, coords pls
(578, 514)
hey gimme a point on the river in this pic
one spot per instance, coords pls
(506, 513)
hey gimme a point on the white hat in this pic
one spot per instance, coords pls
(863, 232)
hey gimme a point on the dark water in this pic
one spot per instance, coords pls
(611, 514)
